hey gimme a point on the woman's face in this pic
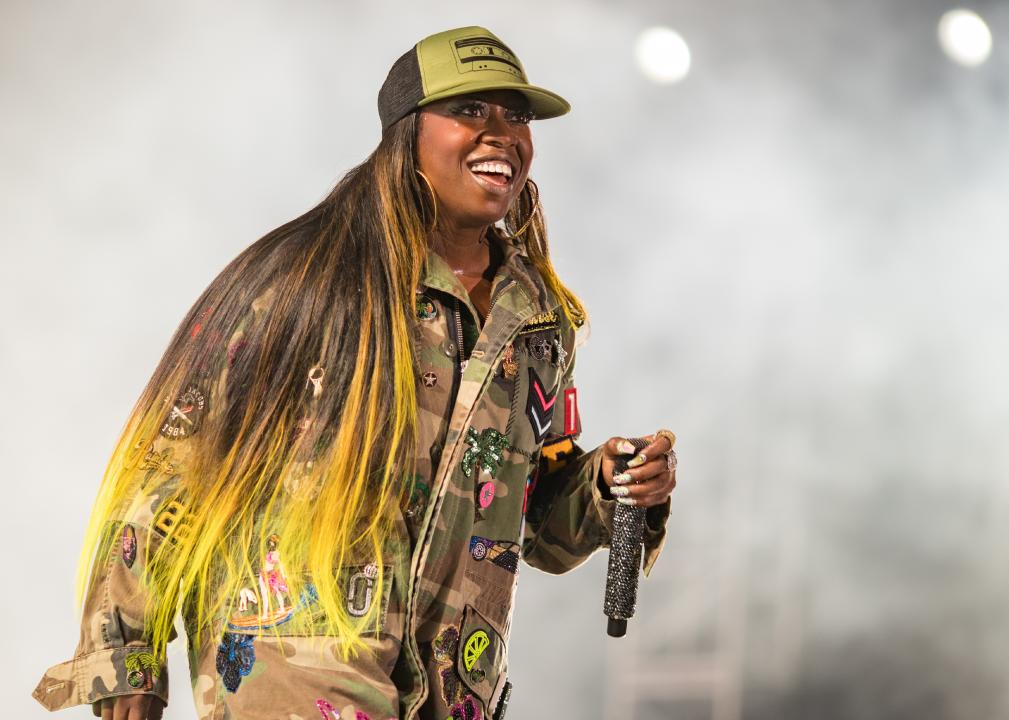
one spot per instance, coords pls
(457, 135)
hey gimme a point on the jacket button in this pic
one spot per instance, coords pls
(450, 349)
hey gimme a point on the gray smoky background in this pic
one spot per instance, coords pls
(795, 259)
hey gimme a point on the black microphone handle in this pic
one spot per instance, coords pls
(625, 558)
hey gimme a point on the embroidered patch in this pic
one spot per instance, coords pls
(542, 321)
(485, 495)
(171, 522)
(560, 354)
(235, 657)
(161, 461)
(467, 709)
(557, 452)
(142, 669)
(418, 497)
(426, 309)
(540, 347)
(539, 406)
(509, 365)
(326, 708)
(445, 646)
(359, 590)
(129, 554)
(476, 643)
(571, 411)
(503, 553)
(186, 414)
(270, 618)
(486, 449)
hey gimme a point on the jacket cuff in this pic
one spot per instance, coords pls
(655, 517)
(90, 678)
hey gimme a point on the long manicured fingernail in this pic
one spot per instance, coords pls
(622, 478)
(638, 459)
(619, 492)
(626, 448)
(626, 500)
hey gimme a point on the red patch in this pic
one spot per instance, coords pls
(571, 411)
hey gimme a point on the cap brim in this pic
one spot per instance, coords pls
(542, 102)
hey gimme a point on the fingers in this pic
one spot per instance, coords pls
(656, 447)
(157, 709)
(107, 704)
(653, 491)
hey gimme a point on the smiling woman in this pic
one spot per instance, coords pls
(358, 431)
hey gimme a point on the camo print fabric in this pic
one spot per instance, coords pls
(502, 480)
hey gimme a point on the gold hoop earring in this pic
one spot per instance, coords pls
(536, 207)
(434, 199)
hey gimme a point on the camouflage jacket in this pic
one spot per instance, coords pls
(501, 479)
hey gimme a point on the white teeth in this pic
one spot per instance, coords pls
(493, 167)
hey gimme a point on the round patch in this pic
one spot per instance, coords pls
(479, 551)
(485, 494)
(426, 309)
(186, 414)
(135, 679)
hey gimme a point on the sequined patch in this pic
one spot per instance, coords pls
(235, 657)
(486, 449)
(129, 546)
(503, 553)
(467, 709)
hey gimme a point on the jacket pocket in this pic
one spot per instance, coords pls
(278, 607)
(481, 659)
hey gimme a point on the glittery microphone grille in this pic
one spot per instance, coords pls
(625, 552)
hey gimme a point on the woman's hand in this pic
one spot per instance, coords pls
(132, 707)
(651, 474)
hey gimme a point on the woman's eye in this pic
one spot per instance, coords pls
(471, 109)
(523, 116)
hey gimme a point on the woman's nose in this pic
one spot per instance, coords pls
(498, 130)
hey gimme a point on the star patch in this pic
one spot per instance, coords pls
(539, 406)
(430, 379)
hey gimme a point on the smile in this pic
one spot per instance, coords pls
(495, 176)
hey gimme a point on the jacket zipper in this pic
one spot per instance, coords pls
(458, 321)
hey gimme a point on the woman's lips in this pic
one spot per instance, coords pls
(493, 182)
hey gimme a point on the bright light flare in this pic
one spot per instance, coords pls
(964, 37)
(662, 55)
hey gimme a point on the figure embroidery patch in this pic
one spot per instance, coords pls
(186, 414)
(539, 406)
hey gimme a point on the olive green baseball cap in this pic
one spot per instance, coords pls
(457, 62)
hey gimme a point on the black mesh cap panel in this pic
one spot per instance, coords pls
(402, 89)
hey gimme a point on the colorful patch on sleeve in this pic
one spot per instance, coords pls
(503, 553)
(539, 406)
(571, 420)
(142, 669)
(557, 452)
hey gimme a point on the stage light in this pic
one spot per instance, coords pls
(964, 37)
(662, 55)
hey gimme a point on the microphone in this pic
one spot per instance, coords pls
(625, 557)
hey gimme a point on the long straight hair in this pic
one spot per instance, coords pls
(303, 346)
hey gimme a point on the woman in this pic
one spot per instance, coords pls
(381, 393)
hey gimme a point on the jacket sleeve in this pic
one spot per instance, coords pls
(570, 510)
(113, 656)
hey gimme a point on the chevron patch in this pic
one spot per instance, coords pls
(539, 406)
